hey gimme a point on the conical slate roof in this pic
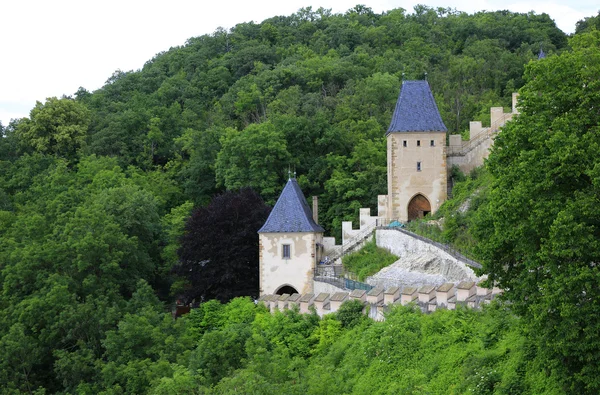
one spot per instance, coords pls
(291, 212)
(416, 110)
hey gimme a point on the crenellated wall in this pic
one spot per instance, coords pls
(469, 154)
(378, 301)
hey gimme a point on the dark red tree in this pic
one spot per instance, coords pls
(219, 249)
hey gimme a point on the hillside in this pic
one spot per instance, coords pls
(314, 91)
(96, 190)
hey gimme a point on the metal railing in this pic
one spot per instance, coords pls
(336, 274)
(353, 284)
(335, 281)
(340, 278)
(329, 271)
(450, 250)
(351, 243)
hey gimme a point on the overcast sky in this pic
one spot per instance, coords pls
(51, 48)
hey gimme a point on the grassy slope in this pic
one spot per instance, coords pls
(368, 260)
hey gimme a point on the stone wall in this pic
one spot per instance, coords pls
(408, 248)
(323, 287)
(469, 159)
(416, 165)
(469, 154)
(378, 301)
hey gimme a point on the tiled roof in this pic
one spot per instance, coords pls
(291, 213)
(445, 287)
(425, 289)
(392, 290)
(465, 285)
(408, 290)
(416, 110)
(294, 297)
(322, 297)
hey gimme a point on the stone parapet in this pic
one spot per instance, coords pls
(378, 301)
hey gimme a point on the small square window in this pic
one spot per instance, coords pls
(418, 143)
(286, 252)
(432, 143)
(418, 166)
(404, 143)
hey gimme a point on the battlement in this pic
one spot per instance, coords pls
(469, 154)
(428, 298)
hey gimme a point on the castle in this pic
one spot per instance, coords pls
(292, 243)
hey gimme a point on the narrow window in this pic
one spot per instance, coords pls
(418, 143)
(432, 143)
(404, 143)
(286, 251)
(418, 166)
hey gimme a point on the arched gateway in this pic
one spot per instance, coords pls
(418, 207)
(286, 289)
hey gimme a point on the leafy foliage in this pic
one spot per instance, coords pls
(95, 193)
(454, 222)
(59, 127)
(314, 91)
(219, 248)
(539, 231)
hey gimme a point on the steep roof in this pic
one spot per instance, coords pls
(416, 110)
(291, 212)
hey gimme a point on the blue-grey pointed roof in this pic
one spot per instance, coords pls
(542, 54)
(416, 110)
(291, 212)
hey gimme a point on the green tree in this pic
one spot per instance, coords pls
(539, 234)
(56, 127)
(256, 157)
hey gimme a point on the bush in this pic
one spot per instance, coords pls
(350, 313)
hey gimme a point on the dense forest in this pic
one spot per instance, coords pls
(96, 190)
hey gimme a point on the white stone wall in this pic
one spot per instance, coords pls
(443, 267)
(471, 295)
(320, 286)
(365, 220)
(275, 271)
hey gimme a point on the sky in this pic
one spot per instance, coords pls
(51, 48)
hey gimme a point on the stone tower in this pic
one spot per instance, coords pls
(416, 155)
(290, 245)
